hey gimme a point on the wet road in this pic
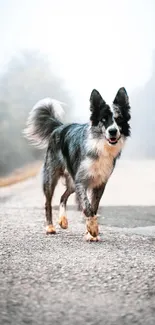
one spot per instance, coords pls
(61, 279)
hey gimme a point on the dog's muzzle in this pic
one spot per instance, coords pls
(113, 136)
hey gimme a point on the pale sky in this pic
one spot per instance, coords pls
(91, 44)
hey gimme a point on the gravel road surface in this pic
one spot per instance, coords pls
(62, 279)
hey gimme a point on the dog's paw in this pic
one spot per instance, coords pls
(92, 226)
(63, 222)
(89, 238)
(50, 230)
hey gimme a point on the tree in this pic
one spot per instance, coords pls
(27, 79)
(143, 119)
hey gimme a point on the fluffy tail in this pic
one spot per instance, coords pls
(43, 119)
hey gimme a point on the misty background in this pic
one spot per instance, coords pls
(63, 49)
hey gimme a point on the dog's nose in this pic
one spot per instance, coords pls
(113, 132)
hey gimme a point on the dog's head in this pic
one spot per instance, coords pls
(111, 122)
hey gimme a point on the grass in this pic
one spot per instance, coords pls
(21, 174)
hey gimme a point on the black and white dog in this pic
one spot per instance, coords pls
(84, 154)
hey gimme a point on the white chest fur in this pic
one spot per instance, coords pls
(100, 169)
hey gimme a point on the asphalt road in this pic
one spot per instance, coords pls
(62, 279)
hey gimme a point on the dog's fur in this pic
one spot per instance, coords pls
(84, 154)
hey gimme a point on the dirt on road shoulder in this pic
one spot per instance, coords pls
(21, 174)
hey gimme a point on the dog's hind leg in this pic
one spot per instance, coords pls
(50, 180)
(63, 222)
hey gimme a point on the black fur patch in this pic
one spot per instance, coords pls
(100, 110)
(122, 102)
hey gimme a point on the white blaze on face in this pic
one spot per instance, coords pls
(113, 125)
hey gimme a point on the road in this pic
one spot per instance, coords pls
(62, 279)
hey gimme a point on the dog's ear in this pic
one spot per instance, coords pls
(122, 101)
(97, 105)
(121, 98)
(96, 100)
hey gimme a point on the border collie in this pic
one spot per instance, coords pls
(84, 154)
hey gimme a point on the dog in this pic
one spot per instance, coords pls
(83, 154)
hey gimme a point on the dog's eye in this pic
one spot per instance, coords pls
(119, 119)
(103, 120)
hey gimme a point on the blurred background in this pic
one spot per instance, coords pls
(65, 48)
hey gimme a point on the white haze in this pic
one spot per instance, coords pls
(91, 44)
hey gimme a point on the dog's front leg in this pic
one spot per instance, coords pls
(91, 219)
(96, 197)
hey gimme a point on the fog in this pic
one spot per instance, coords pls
(64, 49)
